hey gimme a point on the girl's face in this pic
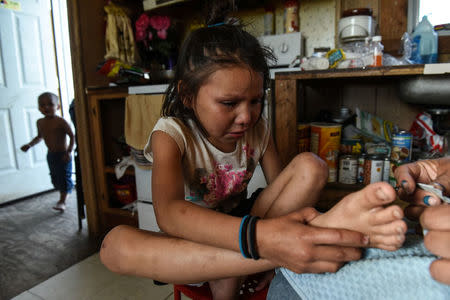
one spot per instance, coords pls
(228, 104)
(47, 106)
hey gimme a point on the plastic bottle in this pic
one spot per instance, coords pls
(377, 50)
(426, 43)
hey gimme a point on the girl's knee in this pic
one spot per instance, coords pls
(113, 248)
(314, 166)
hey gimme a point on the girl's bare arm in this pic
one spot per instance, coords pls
(181, 218)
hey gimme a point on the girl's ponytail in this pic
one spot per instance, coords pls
(217, 11)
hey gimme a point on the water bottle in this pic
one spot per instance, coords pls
(425, 43)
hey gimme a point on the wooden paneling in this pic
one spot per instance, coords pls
(286, 119)
(393, 21)
(81, 111)
(391, 108)
(444, 45)
(360, 96)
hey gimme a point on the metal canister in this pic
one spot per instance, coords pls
(360, 174)
(373, 169)
(386, 169)
(348, 169)
(325, 141)
(401, 147)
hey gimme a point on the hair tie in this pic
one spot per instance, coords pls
(217, 24)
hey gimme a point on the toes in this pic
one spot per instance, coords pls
(397, 227)
(386, 215)
(391, 242)
(378, 194)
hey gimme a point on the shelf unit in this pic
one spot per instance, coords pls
(106, 118)
(299, 96)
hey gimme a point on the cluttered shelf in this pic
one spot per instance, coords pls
(304, 98)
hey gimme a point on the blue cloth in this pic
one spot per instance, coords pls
(403, 274)
(60, 171)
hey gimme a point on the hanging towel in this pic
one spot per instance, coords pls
(402, 274)
(141, 114)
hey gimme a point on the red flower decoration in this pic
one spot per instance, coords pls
(160, 24)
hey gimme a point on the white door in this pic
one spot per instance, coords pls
(27, 69)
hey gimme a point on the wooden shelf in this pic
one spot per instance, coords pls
(409, 70)
(111, 170)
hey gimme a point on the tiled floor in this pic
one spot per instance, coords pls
(90, 280)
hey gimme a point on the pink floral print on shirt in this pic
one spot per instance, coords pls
(224, 181)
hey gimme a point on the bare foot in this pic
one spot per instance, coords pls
(60, 206)
(364, 211)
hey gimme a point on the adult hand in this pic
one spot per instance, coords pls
(25, 147)
(437, 221)
(423, 171)
(289, 242)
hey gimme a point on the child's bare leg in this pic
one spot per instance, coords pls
(225, 289)
(363, 211)
(61, 204)
(298, 186)
(62, 197)
(128, 250)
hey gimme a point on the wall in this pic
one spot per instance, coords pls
(317, 22)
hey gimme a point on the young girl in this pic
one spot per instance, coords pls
(204, 151)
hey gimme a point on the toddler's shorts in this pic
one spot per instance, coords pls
(60, 171)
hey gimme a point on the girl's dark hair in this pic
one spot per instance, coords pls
(209, 49)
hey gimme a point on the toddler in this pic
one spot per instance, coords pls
(53, 130)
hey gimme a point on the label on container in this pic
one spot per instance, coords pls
(373, 169)
(325, 141)
(360, 175)
(386, 169)
(401, 147)
(348, 169)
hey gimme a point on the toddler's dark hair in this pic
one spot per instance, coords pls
(209, 49)
(49, 95)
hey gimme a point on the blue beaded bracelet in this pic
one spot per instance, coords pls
(243, 246)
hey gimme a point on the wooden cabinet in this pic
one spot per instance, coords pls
(300, 96)
(106, 120)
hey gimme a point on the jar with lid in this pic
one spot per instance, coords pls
(291, 20)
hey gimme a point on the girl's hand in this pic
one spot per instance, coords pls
(437, 221)
(289, 242)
